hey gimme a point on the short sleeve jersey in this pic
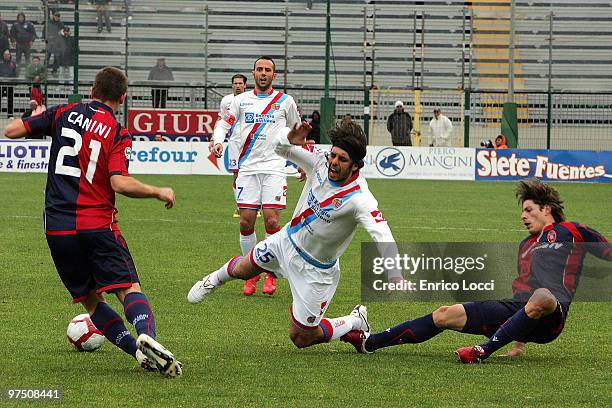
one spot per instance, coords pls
(88, 147)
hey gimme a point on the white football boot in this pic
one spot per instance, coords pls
(201, 289)
(164, 360)
(361, 312)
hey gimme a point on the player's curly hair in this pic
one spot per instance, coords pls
(349, 137)
(110, 84)
(542, 194)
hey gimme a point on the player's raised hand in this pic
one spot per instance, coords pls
(217, 150)
(39, 110)
(297, 134)
(166, 195)
(302, 174)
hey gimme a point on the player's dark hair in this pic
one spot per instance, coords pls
(244, 79)
(542, 194)
(349, 137)
(265, 57)
(110, 84)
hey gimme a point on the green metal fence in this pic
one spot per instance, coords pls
(570, 121)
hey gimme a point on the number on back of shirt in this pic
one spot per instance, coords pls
(73, 151)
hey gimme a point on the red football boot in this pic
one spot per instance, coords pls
(470, 355)
(250, 286)
(269, 285)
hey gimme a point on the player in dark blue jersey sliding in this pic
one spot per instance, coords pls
(547, 281)
(90, 154)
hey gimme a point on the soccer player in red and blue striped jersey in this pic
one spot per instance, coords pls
(89, 159)
(550, 262)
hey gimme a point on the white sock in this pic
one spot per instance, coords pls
(247, 242)
(221, 275)
(343, 325)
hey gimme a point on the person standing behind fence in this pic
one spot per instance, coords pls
(103, 13)
(4, 35)
(54, 40)
(23, 35)
(160, 72)
(440, 130)
(67, 52)
(315, 123)
(399, 124)
(8, 69)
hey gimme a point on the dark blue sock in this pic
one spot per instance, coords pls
(138, 312)
(515, 328)
(111, 324)
(412, 331)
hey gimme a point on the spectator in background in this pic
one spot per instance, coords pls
(500, 142)
(160, 72)
(4, 35)
(315, 123)
(440, 130)
(8, 69)
(103, 10)
(348, 118)
(55, 29)
(66, 52)
(35, 69)
(22, 35)
(158, 138)
(399, 124)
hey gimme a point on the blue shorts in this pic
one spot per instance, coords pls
(99, 261)
(486, 317)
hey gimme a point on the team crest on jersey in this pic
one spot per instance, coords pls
(377, 215)
(551, 236)
(275, 106)
(128, 152)
(337, 203)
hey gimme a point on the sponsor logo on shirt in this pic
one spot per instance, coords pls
(314, 204)
(250, 117)
(128, 152)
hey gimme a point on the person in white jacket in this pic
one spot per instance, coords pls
(334, 201)
(440, 130)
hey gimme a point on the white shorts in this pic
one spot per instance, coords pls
(261, 190)
(233, 152)
(312, 288)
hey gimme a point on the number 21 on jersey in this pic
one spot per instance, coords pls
(94, 145)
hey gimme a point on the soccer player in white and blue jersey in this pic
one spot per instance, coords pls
(335, 199)
(255, 118)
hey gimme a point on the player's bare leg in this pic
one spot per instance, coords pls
(331, 329)
(271, 223)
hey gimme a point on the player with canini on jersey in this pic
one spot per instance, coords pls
(88, 163)
(256, 117)
(306, 252)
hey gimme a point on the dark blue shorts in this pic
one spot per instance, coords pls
(99, 261)
(486, 317)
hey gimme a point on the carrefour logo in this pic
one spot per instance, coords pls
(390, 162)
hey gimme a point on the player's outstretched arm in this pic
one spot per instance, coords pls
(130, 187)
(15, 129)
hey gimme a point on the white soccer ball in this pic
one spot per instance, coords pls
(83, 334)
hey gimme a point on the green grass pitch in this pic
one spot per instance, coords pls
(235, 349)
